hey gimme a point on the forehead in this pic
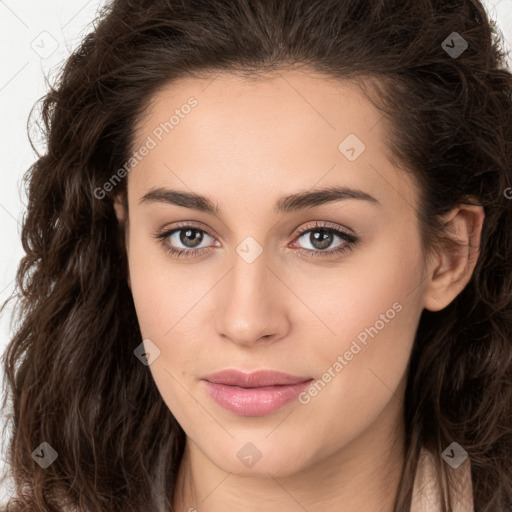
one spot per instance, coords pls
(295, 99)
(282, 130)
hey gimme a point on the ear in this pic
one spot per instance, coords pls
(452, 267)
(120, 208)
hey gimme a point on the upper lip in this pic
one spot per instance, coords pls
(260, 378)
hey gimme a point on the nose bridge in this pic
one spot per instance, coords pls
(249, 308)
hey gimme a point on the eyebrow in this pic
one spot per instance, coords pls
(287, 204)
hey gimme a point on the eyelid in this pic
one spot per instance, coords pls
(183, 224)
(325, 225)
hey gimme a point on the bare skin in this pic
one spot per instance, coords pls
(245, 145)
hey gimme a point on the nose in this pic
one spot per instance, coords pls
(252, 305)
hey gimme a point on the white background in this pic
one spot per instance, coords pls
(29, 31)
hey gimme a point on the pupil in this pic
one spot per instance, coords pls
(323, 240)
(188, 233)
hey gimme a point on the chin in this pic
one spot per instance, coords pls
(273, 460)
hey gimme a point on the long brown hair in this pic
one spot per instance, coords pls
(72, 375)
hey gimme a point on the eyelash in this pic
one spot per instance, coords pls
(350, 241)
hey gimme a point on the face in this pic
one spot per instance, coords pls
(327, 288)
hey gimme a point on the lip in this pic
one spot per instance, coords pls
(255, 393)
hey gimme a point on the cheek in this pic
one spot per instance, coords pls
(167, 298)
(161, 307)
(370, 306)
(158, 288)
(373, 320)
(370, 296)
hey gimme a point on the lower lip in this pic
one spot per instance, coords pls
(254, 401)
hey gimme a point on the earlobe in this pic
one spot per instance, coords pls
(120, 209)
(453, 267)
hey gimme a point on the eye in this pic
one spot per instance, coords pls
(186, 235)
(321, 236)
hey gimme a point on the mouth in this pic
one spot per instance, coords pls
(256, 393)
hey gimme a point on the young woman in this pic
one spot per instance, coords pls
(268, 264)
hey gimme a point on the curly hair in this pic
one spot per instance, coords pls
(70, 369)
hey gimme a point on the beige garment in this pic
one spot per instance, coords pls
(427, 487)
